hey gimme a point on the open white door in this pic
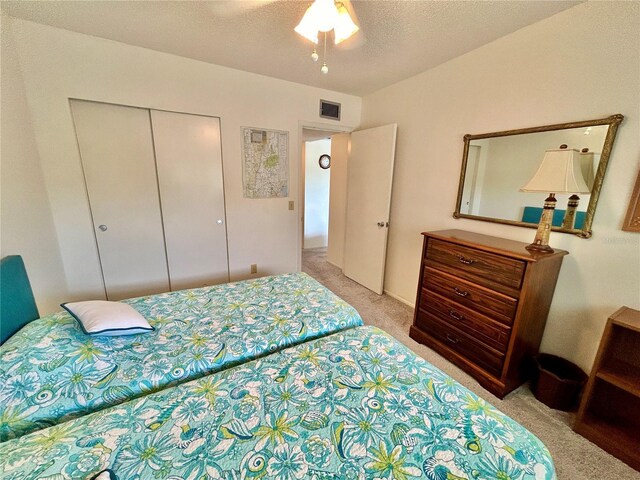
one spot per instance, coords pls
(369, 180)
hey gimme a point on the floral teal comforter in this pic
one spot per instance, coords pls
(50, 371)
(353, 405)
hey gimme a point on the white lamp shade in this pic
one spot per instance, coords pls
(326, 14)
(321, 16)
(559, 172)
(344, 27)
(307, 26)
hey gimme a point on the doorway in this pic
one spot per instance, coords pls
(359, 199)
(316, 164)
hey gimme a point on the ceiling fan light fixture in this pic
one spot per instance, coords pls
(325, 14)
(307, 26)
(321, 16)
(344, 26)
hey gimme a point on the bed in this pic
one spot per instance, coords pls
(50, 371)
(352, 405)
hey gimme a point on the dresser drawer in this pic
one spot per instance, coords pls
(481, 328)
(486, 358)
(488, 302)
(487, 269)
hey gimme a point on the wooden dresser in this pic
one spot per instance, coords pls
(483, 303)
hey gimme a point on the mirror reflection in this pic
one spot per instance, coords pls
(497, 168)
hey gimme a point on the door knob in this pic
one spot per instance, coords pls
(220, 222)
(103, 228)
(383, 224)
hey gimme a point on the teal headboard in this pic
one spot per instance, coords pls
(17, 305)
(533, 214)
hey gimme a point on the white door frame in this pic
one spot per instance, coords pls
(304, 125)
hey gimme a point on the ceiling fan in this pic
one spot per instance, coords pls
(230, 8)
(319, 19)
(324, 16)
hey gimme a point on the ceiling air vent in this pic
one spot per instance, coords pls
(330, 110)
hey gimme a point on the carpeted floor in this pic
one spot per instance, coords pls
(575, 457)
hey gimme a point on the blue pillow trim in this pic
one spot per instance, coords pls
(142, 329)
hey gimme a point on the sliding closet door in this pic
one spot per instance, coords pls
(189, 160)
(117, 156)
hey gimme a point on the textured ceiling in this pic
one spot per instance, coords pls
(399, 38)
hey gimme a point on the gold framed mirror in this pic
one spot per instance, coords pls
(495, 167)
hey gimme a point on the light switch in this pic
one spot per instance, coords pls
(291, 205)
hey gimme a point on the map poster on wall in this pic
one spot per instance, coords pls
(265, 166)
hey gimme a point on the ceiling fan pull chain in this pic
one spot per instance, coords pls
(324, 68)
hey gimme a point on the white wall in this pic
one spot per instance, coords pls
(316, 194)
(340, 149)
(26, 223)
(57, 65)
(580, 64)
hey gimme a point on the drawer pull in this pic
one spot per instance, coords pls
(461, 293)
(452, 339)
(456, 315)
(466, 261)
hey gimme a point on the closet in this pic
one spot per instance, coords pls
(155, 188)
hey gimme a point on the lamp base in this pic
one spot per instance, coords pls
(569, 220)
(541, 240)
(534, 247)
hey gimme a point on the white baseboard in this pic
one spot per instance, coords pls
(335, 264)
(399, 298)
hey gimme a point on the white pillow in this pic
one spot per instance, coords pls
(99, 317)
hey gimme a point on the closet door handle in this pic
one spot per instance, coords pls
(103, 228)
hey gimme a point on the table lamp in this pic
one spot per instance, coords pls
(559, 172)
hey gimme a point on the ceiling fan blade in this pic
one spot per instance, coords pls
(230, 8)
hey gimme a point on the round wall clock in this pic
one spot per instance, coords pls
(324, 161)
